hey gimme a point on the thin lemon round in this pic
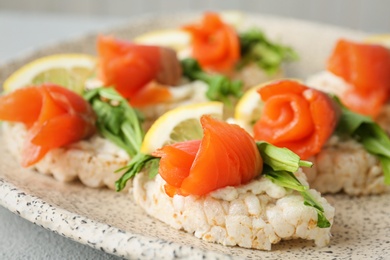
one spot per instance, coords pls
(68, 70)
(174, 38)
(178, 125)
(382, 39)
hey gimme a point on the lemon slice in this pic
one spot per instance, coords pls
(68, 70)
(179, 124)
(174, 38)
(382, 39)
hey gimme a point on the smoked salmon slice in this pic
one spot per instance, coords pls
(130, 68)
(127, 66)
(153, 93)
(226, 156)
(366, 68)
(215, 45)
(53, 115)
(296, 117)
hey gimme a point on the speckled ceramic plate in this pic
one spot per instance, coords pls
(110, 221)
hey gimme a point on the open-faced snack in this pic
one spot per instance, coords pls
(349, 151)
(358, 73)
(220, 43)
(228, 189)
(53, 130)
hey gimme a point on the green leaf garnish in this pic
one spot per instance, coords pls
(279, 165)
(122, 124)
(256, 47)
(116, 119)
(221, 88)
(281, 159)
(288, 180)
(367, 132)
(137, 164)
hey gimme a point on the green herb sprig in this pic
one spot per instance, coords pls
(220, 87)
(281, 159)
(141, 162)
(121, 124)
(279, 165)
(256, 47)
(367, 132)
(116, 119)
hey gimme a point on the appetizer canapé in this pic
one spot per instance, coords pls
(228, 189)
(358, 73)
(350, 152)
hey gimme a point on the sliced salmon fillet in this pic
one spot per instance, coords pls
(152, 94)
(214, 44)
(140, 73)
(226, 156)
(296, 117)
(366, 67)
(55, 116)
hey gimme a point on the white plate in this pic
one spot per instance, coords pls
(110, 221)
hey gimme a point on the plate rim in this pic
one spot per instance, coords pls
(15, 200)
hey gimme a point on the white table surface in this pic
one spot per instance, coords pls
(22, 32)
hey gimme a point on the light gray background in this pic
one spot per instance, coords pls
(25, 25)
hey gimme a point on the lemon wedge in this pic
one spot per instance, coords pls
(382, 39)
(178, 125)
(68, 70)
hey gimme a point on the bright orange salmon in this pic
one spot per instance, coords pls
(367, 68)
(127, 66)
(53, 115)
(226, 156)
(296, 117)
(215, 44)
(130, 67)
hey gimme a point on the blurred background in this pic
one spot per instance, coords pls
(45, 21)
(370, 15)
(26, 25)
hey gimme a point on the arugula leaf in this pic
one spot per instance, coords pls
(288, 180)
(385, 162)
(116, 119)
(121, 124)
(137, 164)
(322, 221)
(220, 86)
(279, 165)
(280, 158)
(256, 47)
(370, 134)
(349, 121)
